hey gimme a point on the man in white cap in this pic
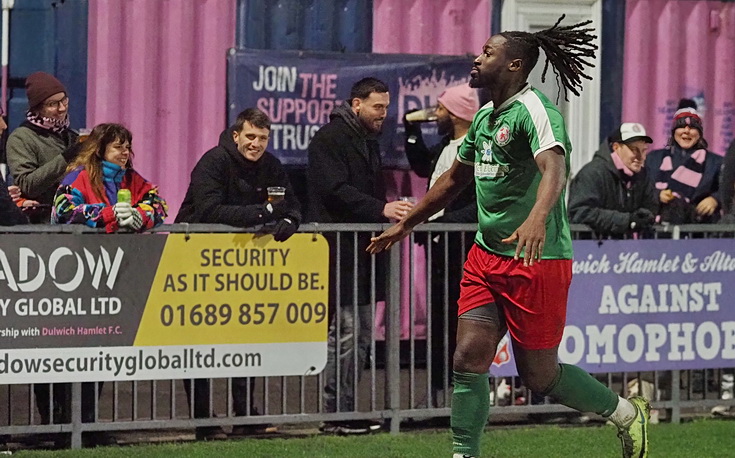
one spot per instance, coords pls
(455, 109)
(612, 194)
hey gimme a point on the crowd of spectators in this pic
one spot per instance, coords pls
(626, 188)
(59, 178)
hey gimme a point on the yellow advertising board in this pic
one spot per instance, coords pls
(161, 306)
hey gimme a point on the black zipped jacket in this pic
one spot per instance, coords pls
(226, 188)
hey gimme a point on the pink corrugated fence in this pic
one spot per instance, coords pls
(450, 27)
(678, 49)
(159, 67)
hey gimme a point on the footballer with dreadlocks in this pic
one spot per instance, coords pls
(517, 154)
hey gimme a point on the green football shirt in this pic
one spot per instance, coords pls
(501, 145)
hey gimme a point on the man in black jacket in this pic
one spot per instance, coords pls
(10, 214)
(229, 186)
(611, 194)
(229, 183)
(345, 185)
(454, 112)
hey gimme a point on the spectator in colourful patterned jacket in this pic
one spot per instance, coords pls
(88, 192)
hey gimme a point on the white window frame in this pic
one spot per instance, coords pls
(582, 113)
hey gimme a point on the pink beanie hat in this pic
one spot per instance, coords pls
(461, 101)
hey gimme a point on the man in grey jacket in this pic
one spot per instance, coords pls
(40, 149)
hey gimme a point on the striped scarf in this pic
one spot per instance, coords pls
(683, 180)
(53, 125)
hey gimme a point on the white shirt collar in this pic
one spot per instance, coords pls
(514, 97)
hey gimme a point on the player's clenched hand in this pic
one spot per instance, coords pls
(530, 237)
(389, 237)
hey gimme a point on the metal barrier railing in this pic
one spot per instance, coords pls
(408, 364)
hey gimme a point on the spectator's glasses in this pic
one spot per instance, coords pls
(56, 104)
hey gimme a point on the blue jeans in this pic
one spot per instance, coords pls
(349, 337)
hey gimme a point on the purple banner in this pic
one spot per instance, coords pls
(642, 305)
(299, 89)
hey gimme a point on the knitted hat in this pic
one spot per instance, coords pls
(687, 115)
(461, 101)
(40, 86)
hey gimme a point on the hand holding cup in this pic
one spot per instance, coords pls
(398, 209)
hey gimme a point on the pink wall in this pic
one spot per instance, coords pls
(431, 27)
(678, 49)
(159, 67)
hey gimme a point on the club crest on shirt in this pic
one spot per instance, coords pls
(502, 136)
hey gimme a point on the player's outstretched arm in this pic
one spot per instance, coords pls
(446, 189)
(388, 238)
(532, 233)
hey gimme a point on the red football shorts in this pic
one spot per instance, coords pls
(533, 299)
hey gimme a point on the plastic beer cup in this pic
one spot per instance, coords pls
(276, 194)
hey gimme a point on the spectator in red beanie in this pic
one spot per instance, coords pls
(40, 149)
(685, 173)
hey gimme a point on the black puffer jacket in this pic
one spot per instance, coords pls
(226, 188)
(10, 214)
(598, 196)
(727, 183)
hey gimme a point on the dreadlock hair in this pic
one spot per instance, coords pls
(566, 49)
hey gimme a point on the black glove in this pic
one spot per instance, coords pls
(71, 152)
(641, 219)
(284, 229)
(274, 211)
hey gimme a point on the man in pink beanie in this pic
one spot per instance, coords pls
(455, 109)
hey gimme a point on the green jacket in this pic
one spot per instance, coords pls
(36, 161)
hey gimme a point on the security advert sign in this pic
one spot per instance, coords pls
(141, 307)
